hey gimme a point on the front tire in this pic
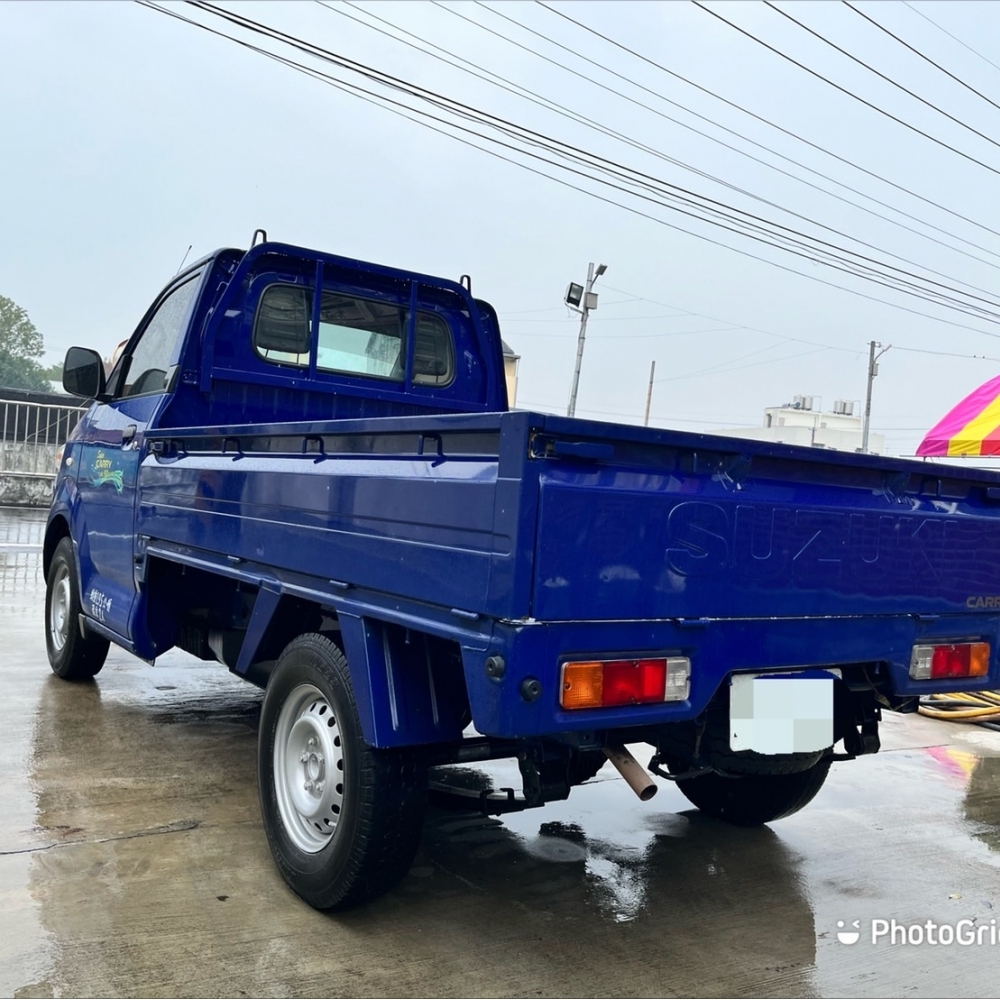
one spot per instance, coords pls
(343, 819)
(72, 656)
(754, 799)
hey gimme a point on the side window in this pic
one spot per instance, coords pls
(146, 369)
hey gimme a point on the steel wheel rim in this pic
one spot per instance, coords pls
(308, 768)
(59, 608)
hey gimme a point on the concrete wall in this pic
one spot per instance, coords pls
(26, 456)
(27, 472)
(25, 490)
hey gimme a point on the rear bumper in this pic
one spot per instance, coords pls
(716, 648)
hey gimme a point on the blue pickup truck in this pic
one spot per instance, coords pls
(304, 467)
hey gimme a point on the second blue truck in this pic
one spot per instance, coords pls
(304, 467)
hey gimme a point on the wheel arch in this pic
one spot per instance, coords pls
(55, 531)
(408, 680)
(409, 684)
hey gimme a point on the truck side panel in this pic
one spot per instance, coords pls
(435, 508)
(407, 526)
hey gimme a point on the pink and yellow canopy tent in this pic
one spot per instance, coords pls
(971, 428)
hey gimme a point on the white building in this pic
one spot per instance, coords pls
(798, 423)
(510, 363)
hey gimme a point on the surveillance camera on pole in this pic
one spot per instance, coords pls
(583, 299)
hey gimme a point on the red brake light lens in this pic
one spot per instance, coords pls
(634, 682)
(957, 659)
(612, 683)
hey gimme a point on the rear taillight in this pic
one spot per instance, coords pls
(956, 659)
(611, 683)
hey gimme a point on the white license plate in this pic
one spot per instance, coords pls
(781, 713)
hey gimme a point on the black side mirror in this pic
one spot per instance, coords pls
(83, 373)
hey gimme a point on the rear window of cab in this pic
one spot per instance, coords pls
(357, 336)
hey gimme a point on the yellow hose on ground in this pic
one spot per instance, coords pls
(963, 706)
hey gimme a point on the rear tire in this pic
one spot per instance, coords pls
(343, 819)
(754, 799)
(72, 656)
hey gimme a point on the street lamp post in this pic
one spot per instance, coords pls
(583, 300)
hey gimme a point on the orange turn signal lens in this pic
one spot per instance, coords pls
(612, 683)
(979, 657)
(583, 685)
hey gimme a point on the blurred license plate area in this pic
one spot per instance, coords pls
(781, 713)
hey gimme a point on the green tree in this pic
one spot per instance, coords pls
(21, 346)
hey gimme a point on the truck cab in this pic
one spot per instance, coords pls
(273, 335)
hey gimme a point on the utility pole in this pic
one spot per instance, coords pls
(872, 372)
(649, 392)
(583, 300)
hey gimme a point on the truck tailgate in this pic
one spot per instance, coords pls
(645, 524)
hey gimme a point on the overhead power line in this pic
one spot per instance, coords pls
(964, 45)
(510, 86)
(719, 319)
(626, 336)
(746, 223)
(784, 131)
(589, 122)
(844, 90)
(855, 267)
(633, 297)
(881, 75)
(671, 159)
(922, 55)
(726, 367)
(851, 267)
(488, 76)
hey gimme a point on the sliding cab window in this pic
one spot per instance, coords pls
(357, 336)
(281, 330)
(433, 352)
(145, 369)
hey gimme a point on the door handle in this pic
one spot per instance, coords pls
(128, 435)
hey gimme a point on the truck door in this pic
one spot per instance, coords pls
(112, 448)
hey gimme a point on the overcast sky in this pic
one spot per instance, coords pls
(127, 135)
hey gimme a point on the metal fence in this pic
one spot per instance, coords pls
(31, 435)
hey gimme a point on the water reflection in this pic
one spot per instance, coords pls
(982, 801)
(145, 789)
(22, 526)
(22, 583)
(603, 856)
(979, 776)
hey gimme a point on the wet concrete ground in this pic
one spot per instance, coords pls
(133, 862)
